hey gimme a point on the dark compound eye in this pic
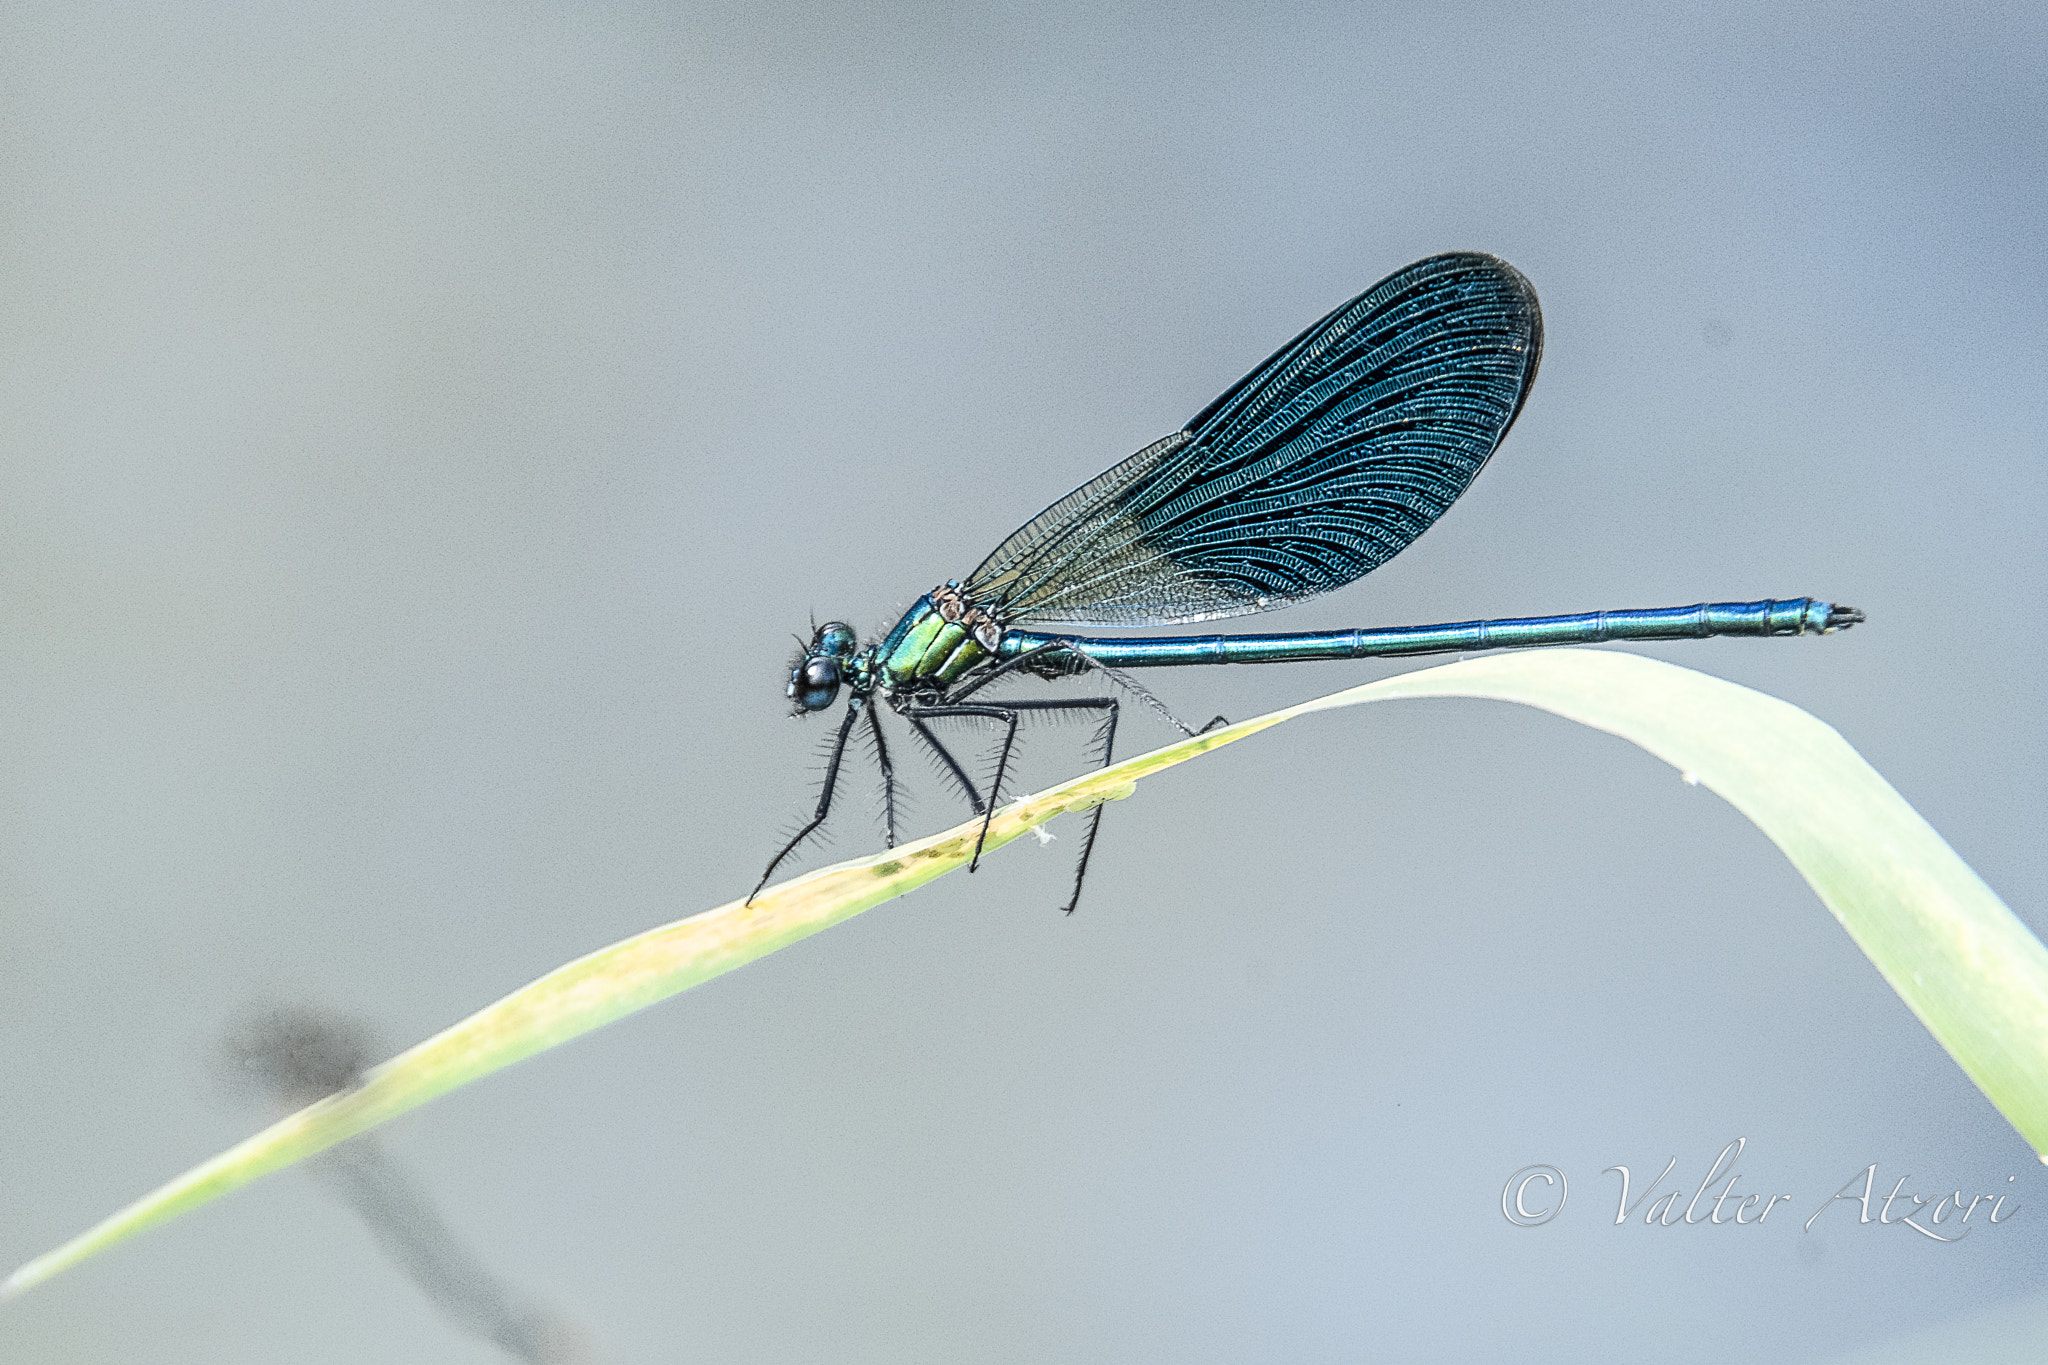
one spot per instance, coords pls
(815, 682)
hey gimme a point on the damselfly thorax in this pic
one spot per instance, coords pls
(939, 641)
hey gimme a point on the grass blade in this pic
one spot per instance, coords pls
(1975, 976)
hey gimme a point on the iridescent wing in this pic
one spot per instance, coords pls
(1311, 471)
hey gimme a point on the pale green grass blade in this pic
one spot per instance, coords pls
(1965, 965)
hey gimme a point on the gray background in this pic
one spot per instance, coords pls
(424, 427)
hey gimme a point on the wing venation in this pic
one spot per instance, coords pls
(1311, 471)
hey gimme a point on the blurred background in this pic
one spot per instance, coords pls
(423, 426)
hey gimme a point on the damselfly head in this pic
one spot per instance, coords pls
(815, 678)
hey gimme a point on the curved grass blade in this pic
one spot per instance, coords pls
(1975, 976)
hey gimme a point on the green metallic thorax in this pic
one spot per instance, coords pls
(928, 651)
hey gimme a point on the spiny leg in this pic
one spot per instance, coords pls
(959, 774)
(1095, 816)
(1110, 708)
(888, 776)
(824, 798)
(1007, 714)
(1115, 675)
(1140, 691)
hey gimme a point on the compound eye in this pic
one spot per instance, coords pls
(816, 682)
(834, 638)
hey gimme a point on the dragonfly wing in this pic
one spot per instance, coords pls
(1311, 471)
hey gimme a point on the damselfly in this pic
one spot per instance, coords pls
(1311, 471)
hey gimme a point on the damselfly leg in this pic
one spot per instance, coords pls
(853, 710)
(1009, 713)
(888, 778)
